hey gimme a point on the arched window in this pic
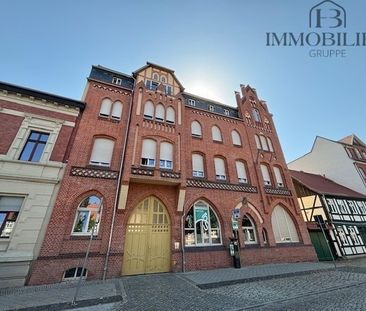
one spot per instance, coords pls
(216, 133)
(74, 274)
(149, 110)
(170, 115)
(162, 79)
(105, 108)
(264, 142)
(241, 172)
(166, 155)
(220, 169)
(196, 129)
(257, 142)
(159, 112)
(235, 136)
(102, 152)
(265, 175)
(155, 76)
(202, 226)
(87, 216)
(256, 115)
(117, 110)
(283, 227)
(197, 165)
(278, 175)
(269, 141)
(250, 235)
(148, 153)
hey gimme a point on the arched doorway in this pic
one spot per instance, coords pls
(147, 242)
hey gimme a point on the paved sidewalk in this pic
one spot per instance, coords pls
(230, 276)
(59, 296)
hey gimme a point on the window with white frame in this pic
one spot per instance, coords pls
(241, 172)
(9, 210)
(170, 115)
(105, 108)
(249, 231)
(196, 129)
(264, 143)
(151, 85)
(162, 79)
(74, 274)
(149, 110)
(235, 136)
(191, 102)
(265, 175)
(117, 80)
(87, 216)
(283, 226)
(159, 112)
(102, 152)
(220, 169)
(34, 146)
(257, 142)
(216, 133)
(211, 108)
(168, 89)
(155, 76)
(202, 227)
(148, 152)
(269, 141)
(278, 176)
(226, 112)
(256, 115)
(197, 165)
(117, 110)
(166, 155)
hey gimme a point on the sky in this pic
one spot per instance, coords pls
(213, 46)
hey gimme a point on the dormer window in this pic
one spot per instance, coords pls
(116, 80)
(211, 108)
(192, 102)
(226, 112)
(151, 85)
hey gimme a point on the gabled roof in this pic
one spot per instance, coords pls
(148, 64)
(41, 95)
(322, 185)
(352, 140)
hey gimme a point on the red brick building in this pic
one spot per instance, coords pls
(158, 172)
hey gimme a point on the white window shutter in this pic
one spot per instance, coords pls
(196, 128)
(170, 115)
(117, 110)
(257, 142)
(102, 152)
(148, 149)
(278, 176)
(149, 109)
(197, 162)
(240, 169)
(235, 136)
(270, 144)
(216, 133)
(166, 151)
(159, 112)
(283, 227)
(265, 174)
(220, 166)
(264, 143)
(105, 108)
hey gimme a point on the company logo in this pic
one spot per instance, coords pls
(327, 14)
(327, 36)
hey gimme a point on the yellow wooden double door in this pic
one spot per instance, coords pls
(147, 242)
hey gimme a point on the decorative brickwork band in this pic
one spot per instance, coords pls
(93, 173)
(142, 171)
(169, 174)
(221, 186)
(277, 191)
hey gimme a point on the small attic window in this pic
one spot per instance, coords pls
(116, 80)
(155, 76)
(226, 112)
(192, 102)
(211, 108)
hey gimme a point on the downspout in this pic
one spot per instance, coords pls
(105, 268)
(183, 242)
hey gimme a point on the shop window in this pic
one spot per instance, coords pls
(202, 227)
